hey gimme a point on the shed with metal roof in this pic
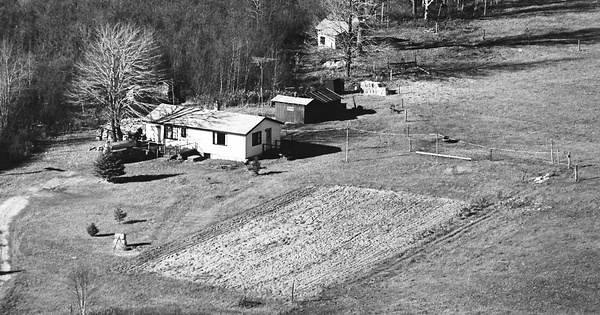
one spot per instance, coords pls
(314, 106)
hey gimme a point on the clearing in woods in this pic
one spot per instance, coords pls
(304, 241)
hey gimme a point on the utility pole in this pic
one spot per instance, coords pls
(260, 62)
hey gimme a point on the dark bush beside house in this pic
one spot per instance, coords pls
(109, 165)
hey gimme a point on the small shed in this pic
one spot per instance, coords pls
(215, 134)
(314, 106)
(336, 85)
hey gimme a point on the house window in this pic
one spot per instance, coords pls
(256, 138)
(218, 138)
(183, 132)
(170, 132)
(322, 40)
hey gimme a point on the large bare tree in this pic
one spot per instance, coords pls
(13, 72)
(120, 67)
(357, 14)
(80, 282)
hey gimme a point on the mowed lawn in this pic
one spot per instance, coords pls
(535, 251)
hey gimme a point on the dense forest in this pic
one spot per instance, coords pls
(209, 50)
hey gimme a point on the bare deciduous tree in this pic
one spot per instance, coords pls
(13, 73)
(81, 284)
(119, 67)
(357, 14)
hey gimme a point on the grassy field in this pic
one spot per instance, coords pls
(522, 90)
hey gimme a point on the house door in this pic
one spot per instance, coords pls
(158, 134)
(268, 136)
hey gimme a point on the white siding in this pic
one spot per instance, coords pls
(203, 141)
(275, 136)
(154, 132)
(329, 41)
(237, 147)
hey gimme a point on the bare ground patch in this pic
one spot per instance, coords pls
(313, 240)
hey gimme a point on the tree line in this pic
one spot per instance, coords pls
(210, 49)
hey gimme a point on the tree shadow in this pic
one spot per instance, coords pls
(272, 172)
(134, 221)
(134, 245)
(542, 7)
(587, 36)
(104, 235)
(141, 178)
(53, 169)
(23, 173)
(2, 273)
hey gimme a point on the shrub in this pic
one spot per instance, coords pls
(255, 165)
(120, 215)
(109, 166)
(92, 229)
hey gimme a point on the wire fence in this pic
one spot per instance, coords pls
(419, 138)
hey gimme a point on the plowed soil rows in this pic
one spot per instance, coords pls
(313, 241)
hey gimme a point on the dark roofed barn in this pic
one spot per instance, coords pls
(314, 106)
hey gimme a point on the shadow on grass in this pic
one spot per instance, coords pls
(104, 234)
(134, 245)
(296, 150)
(141, 178)
(544, 7)
(272, 172)
(23, 173)
(2, 273)
(134, 221)
(53, 169)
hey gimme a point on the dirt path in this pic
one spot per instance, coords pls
(8, 210)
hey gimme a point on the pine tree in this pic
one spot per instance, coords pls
(108, 166)
(92, 229)
(120, 215)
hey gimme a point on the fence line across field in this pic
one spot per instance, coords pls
(415, 135)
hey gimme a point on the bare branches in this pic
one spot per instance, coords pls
(12, 76)
(119, 67)
(81, 284)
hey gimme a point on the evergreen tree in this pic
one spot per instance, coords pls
(108, 166)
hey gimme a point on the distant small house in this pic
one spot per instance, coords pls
(328, 32)
(373, 88)
(215, 134)
(314, 106)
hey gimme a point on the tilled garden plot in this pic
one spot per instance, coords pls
(324, 236)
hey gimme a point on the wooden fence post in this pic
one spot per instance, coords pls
(347, 139)
(576, 172)
(569, 159)
(406, 115)
(552, 151)
(409, 145)
(293, 287)
(437, 151)
(491, 154)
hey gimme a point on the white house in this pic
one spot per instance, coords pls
(215, 134)
(328, 32)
